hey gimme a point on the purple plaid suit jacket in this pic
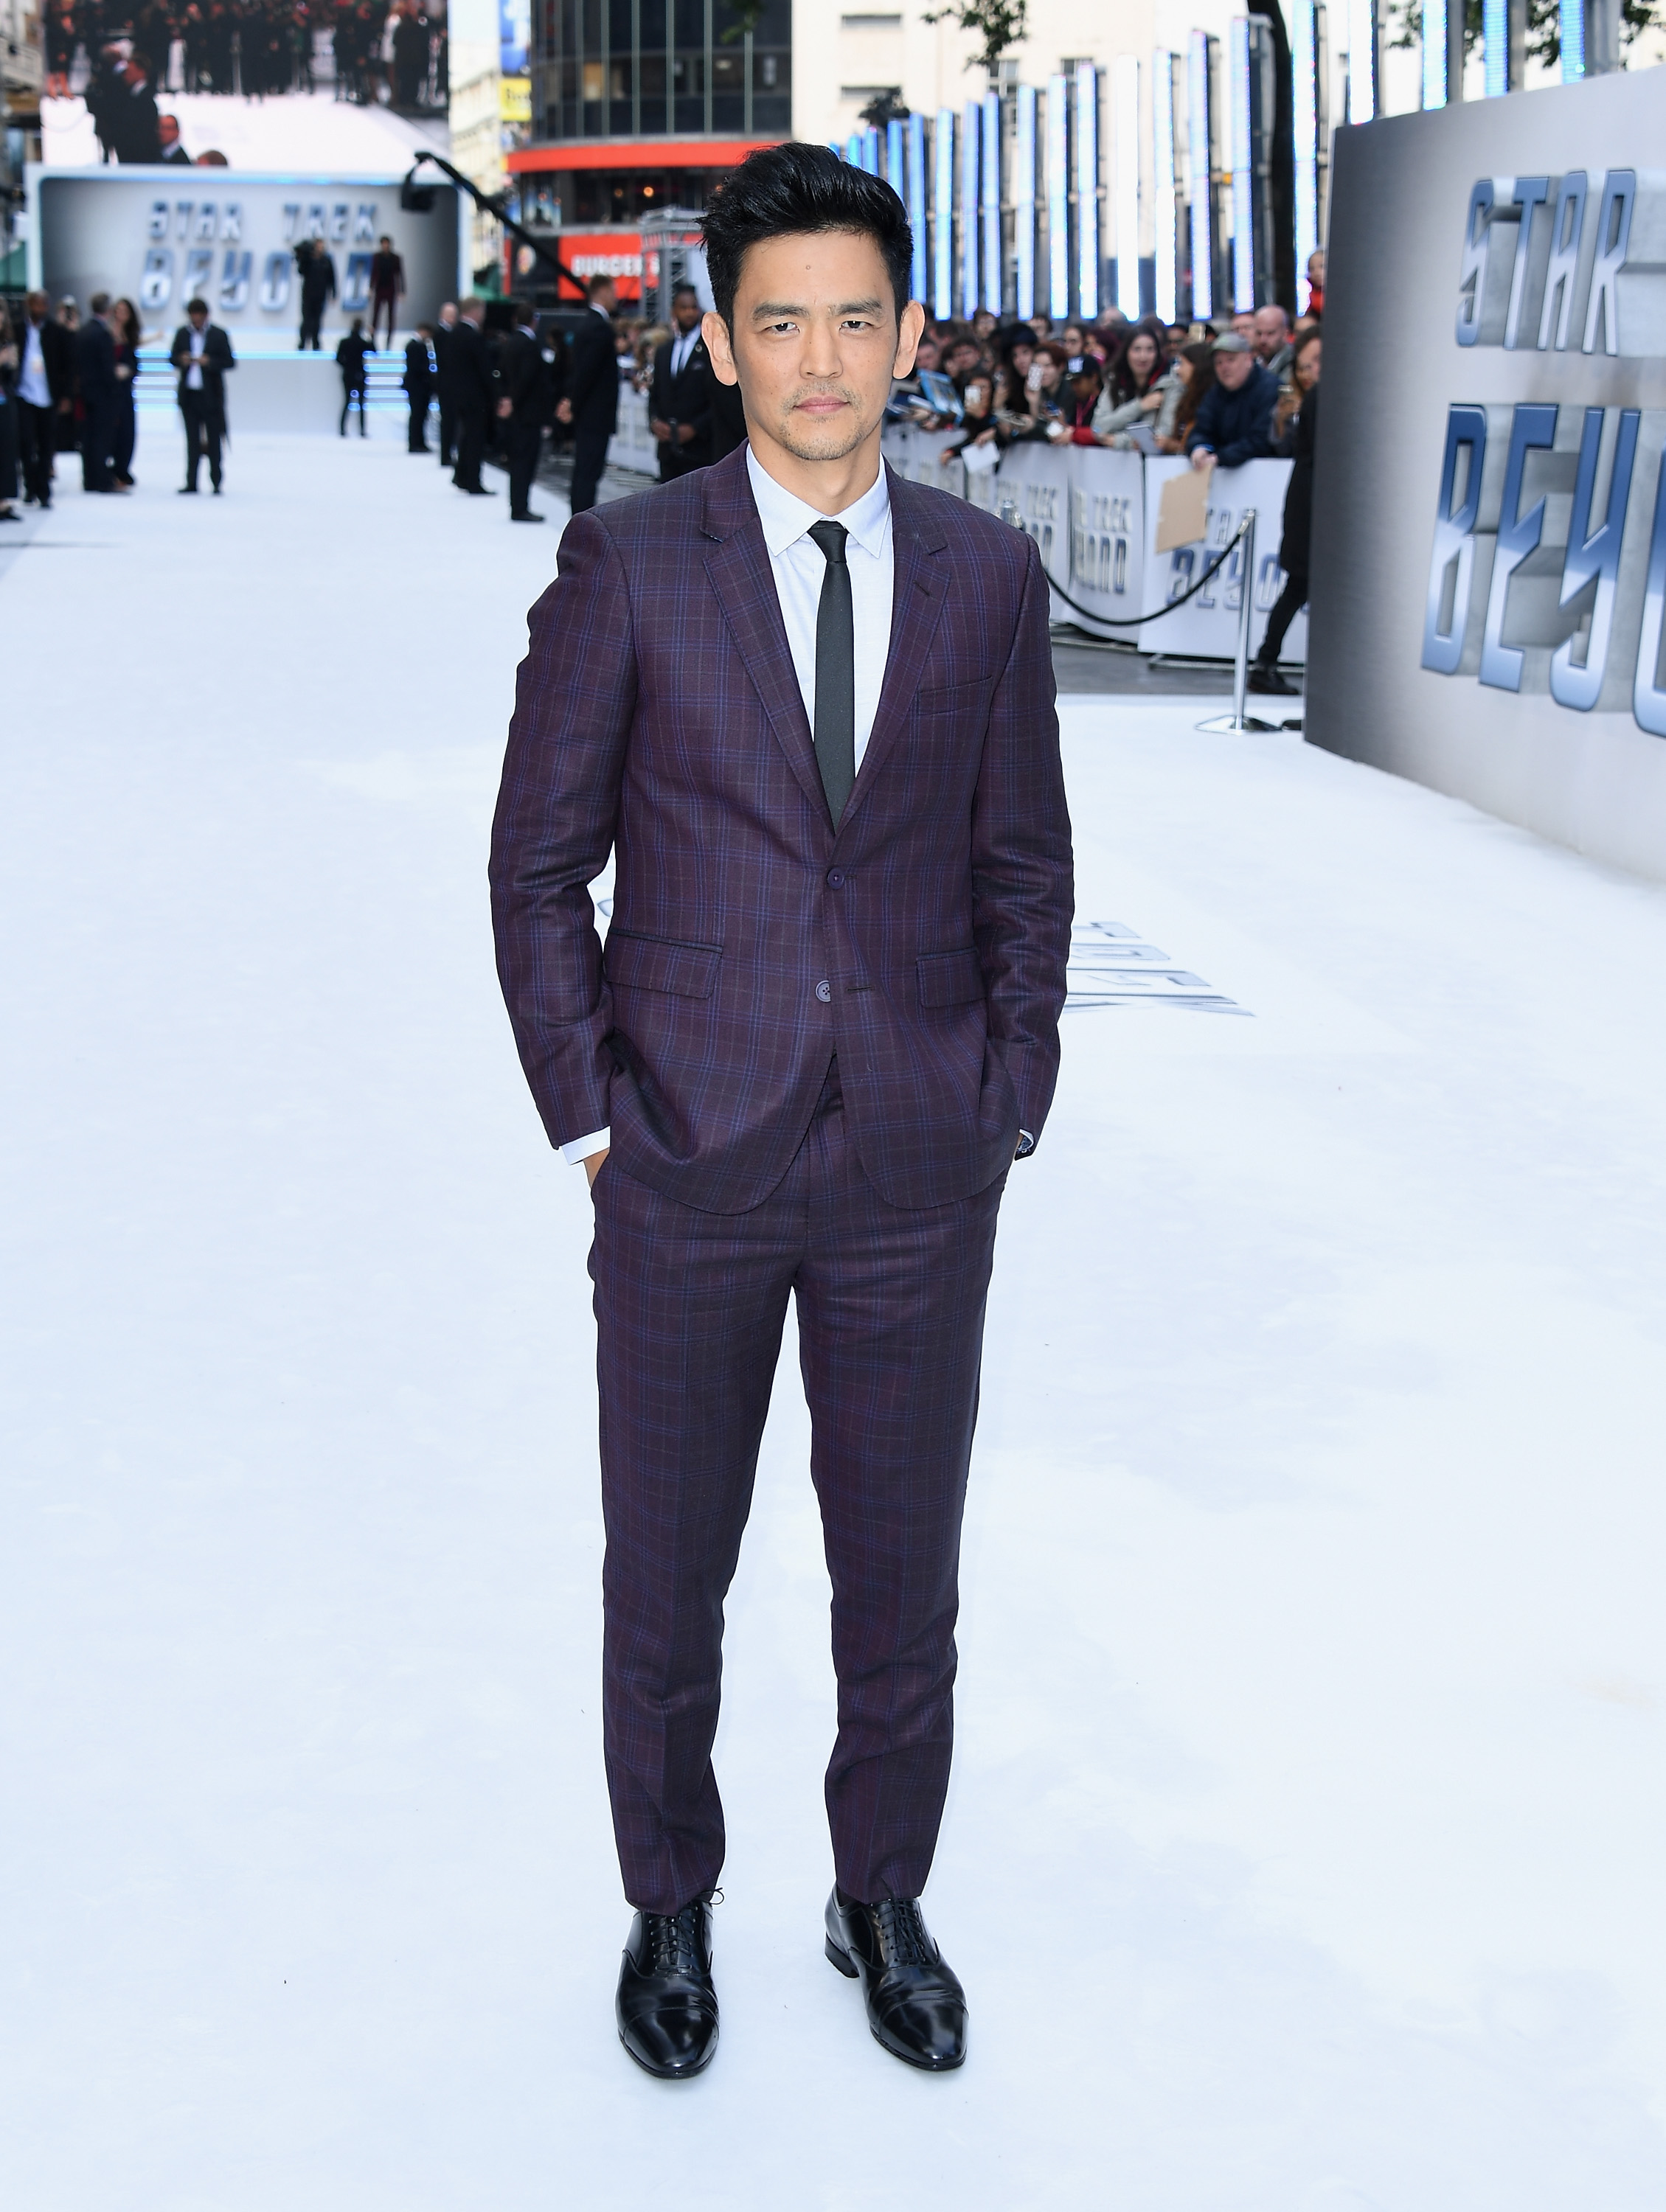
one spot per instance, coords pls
(923, 941)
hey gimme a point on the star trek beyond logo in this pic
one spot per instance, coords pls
(198, 249)
(1549, 568)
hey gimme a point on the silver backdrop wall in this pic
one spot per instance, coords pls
(1495, 377)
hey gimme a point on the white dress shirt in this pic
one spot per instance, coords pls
(681, 348)
(32, 383)
(198, 347)
(797, 563)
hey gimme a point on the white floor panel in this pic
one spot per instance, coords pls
(1304, 1853)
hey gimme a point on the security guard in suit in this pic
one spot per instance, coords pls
(680, 406)
(524, 409)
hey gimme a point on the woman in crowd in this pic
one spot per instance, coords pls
(1194, 366)
(1074, 338)
(1139, 392)
(1297, 528)
(349, 357)
(124, 329)
(1015, 349)
(1083, 397)
(1043, 391)
(1303, 375)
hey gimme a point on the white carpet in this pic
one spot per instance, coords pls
(1304, 1848)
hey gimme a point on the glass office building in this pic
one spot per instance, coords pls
(640, 106)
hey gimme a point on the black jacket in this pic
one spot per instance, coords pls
(317, 280)
(131, 127)
(1298, 500)
(474, 381)
(96, 366)
(524, 376)
(349, 357)
(1236, 426)
(58, 350)
(217, 360)
(592, 375)
(443, 377)
(684, 398)
(418, 377)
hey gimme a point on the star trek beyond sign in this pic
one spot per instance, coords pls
(166, 235)
(1547, 571)
(1488, 571)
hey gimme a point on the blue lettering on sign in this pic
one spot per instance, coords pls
(1519, 536)
(1648, 687)
(1593, 558)
(1453, 564)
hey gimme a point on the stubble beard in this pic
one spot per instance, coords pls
(840, 435)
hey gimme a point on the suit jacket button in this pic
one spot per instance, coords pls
(824, 993)
(836, 876)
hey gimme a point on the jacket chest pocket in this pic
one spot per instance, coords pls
(660, 963)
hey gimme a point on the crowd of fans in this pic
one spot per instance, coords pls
(123, 57)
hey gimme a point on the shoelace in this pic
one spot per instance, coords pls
(674, 1939)
(902, 1932)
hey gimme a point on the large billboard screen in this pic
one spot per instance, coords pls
(161, 235)
(1489, 550)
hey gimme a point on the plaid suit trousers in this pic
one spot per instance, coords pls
(690, 1307)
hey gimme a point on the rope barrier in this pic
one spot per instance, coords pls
(1134, 621)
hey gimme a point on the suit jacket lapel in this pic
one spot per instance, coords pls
(920, 582)
(738, 566)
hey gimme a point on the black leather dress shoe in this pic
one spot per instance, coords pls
(666, 2005)
(916, 2005)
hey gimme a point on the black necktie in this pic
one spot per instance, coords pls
(836, 671)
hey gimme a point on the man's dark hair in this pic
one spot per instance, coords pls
(788, 191)
(689, 291)
(597, 286)
(193, 306)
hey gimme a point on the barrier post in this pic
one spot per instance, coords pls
(1235, 721)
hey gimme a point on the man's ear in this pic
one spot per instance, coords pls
(715, 332)
(910, 332)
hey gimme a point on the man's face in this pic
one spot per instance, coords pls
(169, 131)
(927, 353)
(1243, 325)
(961, 359)
(37, 308)
(816, 343)
(1232, 369)
(685, 311)
(607, 299)
(448, 314)
(1271, 331)
(198, 318)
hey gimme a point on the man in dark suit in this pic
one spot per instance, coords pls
(318, 287)
(45, 395)
(96, 381)
(591, 401)
(387, 284)
(130, 120)
(808, 706)
(680, 403)
(524, 408)
(445, 383)
(202, 354)
(474, 387)
(418, 381)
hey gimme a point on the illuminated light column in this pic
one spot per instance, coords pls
(1363, 59)
(1087, 191)
(970, 130)
(895, 160)
(1243, 158)
(1023, 200)
(852, 149)
(915, 198)
(1495, 46)
(1305, 119)
(1434, 51)
(1199, 181)
(994, 274)
(1571, 22)
(1165, 211)
(870, 152)
(943, 217)
(1058, 198)
(1128, 186)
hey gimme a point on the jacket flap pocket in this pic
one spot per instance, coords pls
(657, 963)
(950, 979)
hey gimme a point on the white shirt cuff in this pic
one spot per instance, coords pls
(583, 1148)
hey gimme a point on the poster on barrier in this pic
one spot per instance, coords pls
(1031, 491)
(1207, 625)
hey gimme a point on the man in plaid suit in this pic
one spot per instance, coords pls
(809, 708)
